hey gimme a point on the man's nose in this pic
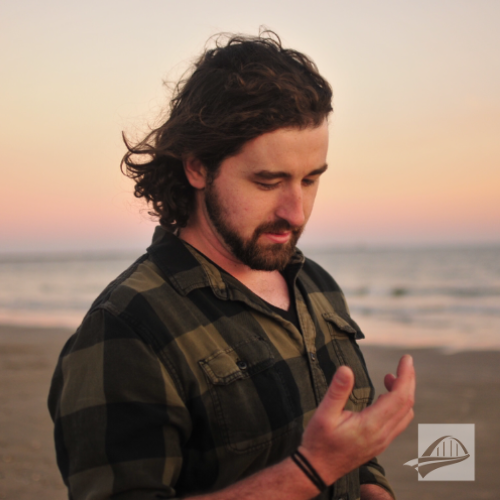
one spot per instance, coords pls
(291, 207)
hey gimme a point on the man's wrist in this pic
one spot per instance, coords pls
(303, 484)
(309, 471)
(325, 468)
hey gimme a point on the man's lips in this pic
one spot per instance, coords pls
(279, 237)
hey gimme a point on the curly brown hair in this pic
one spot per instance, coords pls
(244, 87)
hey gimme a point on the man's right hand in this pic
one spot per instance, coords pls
(337, 441)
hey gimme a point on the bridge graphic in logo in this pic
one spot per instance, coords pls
(446, 450)
(450, 444)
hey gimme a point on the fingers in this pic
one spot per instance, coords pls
(393, 407)
(405, 365)
(389, 381)
(405, 372)
(405, 381)
(336, 397)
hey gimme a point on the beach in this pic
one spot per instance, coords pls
(28, 468)
(461, 387)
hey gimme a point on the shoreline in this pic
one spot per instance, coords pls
(460, 387)
(379, 333)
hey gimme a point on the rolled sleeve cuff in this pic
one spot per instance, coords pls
(373, 473)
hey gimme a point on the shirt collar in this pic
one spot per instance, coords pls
(188, 269)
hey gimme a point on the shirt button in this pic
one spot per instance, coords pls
(242, 365)
(312, 356)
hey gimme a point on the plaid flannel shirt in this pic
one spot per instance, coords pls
(180, 380)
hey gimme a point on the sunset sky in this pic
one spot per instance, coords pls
(415, 136)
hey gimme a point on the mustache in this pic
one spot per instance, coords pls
(277, 226)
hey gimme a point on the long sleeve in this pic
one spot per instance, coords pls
(119, 420)
(373, 473)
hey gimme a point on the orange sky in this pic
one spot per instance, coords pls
(415, 149)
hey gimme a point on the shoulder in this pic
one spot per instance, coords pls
(318, 277)
(326, 296)
(137, 279)
(116, 314)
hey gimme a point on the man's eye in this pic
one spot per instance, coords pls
(267, 186)
(308, 182)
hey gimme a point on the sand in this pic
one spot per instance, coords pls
(28, 469)
(452, 388)
(461, 388)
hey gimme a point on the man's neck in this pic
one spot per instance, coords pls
(268, 285)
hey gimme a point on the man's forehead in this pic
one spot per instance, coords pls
(272, 154)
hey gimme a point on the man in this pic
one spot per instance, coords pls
(223, 363)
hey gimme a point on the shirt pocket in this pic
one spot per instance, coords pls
(251, 401)
(346, 352)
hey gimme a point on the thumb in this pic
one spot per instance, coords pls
(338, 393)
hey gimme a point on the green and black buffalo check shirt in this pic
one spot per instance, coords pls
(180, 380)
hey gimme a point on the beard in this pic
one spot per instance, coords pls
(255, 255)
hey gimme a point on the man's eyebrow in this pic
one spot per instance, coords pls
(270, 175)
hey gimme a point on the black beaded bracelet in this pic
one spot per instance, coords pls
(305, 466)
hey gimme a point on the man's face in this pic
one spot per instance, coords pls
(260, 200)
(256, 254)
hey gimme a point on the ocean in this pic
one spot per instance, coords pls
(447, 297)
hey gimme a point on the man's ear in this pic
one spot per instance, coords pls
(196, 172)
